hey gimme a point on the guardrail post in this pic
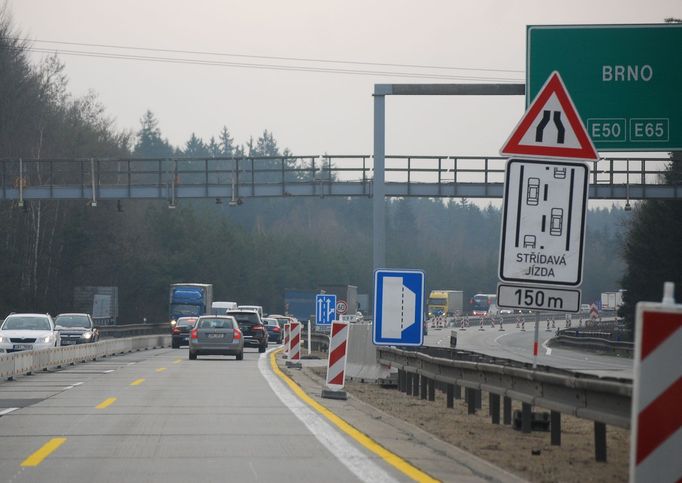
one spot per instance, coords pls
(470, 396)
(506, 410)
(495, 407)
(458, 391)
(423, 383)
(478, 398)
(555, 427)
(526, 418)
(450, 396)
(415, 384)
(600, 441)
(432, 389)
(401, 380)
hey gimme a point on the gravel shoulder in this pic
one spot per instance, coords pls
(529, 456)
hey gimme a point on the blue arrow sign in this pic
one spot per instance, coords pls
(325, 309)
(398, 307)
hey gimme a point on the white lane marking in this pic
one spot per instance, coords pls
(110, 370)
(548, 350)
(77, 383)
(131, 363)
(360, 464)
(67, 388)
(7, 411)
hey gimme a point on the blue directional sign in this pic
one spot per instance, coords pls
(398, 307)
(325, 309)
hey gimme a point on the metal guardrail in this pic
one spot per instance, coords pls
(594, 343)
(586, 397)
(26, 362)
(332, 175)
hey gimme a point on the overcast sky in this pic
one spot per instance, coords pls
(311, 112)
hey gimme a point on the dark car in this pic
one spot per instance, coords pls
(255, 334)
(76, 329)
(274, 330)
(180, 331)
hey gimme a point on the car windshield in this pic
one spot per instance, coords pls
(270, 322)
(216, 324)
(182, 309)
(186, 322)
(25, 322)
(246, 317)
(437, 301)
(72, 321)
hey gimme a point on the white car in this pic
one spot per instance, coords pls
(20, 332)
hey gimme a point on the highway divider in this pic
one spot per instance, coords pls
(26, 362)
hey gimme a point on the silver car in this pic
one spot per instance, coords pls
(21, 332)
(216, 335)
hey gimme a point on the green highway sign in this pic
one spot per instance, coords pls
(625, 80)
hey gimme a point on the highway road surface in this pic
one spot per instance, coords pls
(157, 416)
(512, 343)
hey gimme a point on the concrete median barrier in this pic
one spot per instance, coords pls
(26, 362)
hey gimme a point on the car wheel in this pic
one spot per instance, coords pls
(192, 356)
(261, 349)
(175, 345)
(240, 356)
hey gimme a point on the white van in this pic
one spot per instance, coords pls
(255, 308)
(220, 308)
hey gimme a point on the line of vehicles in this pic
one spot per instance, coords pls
(210, 327)
(21, 332)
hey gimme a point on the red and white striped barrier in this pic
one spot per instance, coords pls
(295, 342)
(336, 362)
(656, 436)
(287, 330)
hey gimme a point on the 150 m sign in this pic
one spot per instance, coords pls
(538, 298)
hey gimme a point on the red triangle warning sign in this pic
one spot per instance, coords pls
(551, 127)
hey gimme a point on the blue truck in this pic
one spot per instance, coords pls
(190, 300)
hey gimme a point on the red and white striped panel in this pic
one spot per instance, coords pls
(295, 342)
(336, 362)
(656, 445)
(287, 329)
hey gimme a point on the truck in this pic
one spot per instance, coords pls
(190, 300)
(299, 303)
(445, 302)
(100, 302)
(611, 300)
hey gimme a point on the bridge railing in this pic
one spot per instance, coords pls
(332, 175)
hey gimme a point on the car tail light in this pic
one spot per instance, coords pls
(176, 330)
(277, 329)
(237, 334)
(194, 334)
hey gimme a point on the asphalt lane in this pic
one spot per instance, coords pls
(513, 343)
(161, 417)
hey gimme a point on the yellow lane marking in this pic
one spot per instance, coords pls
(36, 458)
(177, 361)
(161, 369)
(137, 382)
(106, 403)
(391, 458)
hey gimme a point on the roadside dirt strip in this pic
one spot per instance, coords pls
(452, 434)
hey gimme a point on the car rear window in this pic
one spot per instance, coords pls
(216, 324)
(246, 317)
(184, 322)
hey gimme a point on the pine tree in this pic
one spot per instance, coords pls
(150, 144)
(653, 247)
